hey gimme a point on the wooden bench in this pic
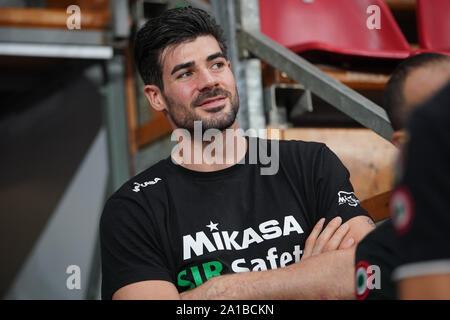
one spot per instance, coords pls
(368, 157)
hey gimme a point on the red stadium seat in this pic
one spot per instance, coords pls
(433, 24)
(333, 26)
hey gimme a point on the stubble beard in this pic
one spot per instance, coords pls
(184, 116)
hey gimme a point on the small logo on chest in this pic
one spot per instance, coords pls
(237, 240)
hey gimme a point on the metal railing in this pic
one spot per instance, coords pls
(249, 42)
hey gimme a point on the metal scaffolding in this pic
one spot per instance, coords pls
(240, 20)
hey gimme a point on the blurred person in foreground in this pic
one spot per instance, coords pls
(421, 204)
(414, 81)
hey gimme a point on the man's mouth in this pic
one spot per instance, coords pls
(212, 102)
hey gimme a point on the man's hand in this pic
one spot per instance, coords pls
(331, 238)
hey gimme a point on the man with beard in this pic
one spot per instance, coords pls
(192, 229)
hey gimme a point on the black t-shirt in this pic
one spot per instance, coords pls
(182, 226)
(380, 250)
(421, 202)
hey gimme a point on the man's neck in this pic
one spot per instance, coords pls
(212, 153)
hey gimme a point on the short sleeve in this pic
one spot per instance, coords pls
(130, 247)
(334, 190)
(420, 204)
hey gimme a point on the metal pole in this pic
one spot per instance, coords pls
(247, 72)
(332, 91)
(116, 123)
(112, 87)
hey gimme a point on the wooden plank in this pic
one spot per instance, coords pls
(378, 206)
(358, 80)
(51, 18)
(352, 79)
(85, 5)
(130, 96)
(156, 128)
(368, 157)
(275, 133)
(270, 76)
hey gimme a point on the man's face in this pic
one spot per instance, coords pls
(199, 85)
(424, 82)
(420, 85)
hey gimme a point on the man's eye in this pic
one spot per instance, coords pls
(217, 65)
(184, 75)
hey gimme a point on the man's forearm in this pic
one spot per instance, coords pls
(326, 276)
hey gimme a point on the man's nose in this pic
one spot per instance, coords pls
(206, 80)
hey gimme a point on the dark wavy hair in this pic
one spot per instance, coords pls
(172, 27)
(393, 96)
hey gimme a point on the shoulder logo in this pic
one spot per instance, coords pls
(348, 198)
(137, 186)
(402, 209)
(361, 275)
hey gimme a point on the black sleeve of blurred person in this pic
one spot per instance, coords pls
(421, 202)
(379, 248)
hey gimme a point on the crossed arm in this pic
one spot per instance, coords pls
(326, 271)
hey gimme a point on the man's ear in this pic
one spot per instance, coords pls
(399, 138)
(155, 97)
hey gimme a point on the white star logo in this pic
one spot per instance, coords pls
(212, 226)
